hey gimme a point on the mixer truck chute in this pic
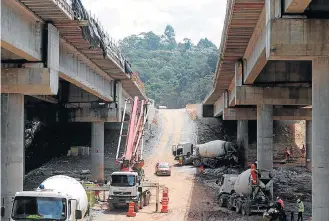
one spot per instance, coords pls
(57, 198)
(237, 192)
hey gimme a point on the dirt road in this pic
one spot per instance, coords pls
(184, 194)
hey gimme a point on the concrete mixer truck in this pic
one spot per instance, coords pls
(211, 153)
(240, 193)
(57, 198)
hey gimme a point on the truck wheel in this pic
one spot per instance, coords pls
(141, 202)
(245, 209)
(221, 201)
(229, 205)
(238, 207)
(136, 207)
(196, 162)
(110, 206)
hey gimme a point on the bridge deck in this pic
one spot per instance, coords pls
(240, 22)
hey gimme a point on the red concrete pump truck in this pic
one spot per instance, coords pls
(126, 185)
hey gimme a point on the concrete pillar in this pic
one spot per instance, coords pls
(12, 148)
(242, 138)
(265, 136)
(308, 142)
(320, 139)
(97, 151)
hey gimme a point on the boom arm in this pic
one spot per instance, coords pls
(132, 155)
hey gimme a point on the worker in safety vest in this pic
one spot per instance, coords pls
(180, 160)
(300, 206)
(279, 200)
(201, 167)
(253, 174)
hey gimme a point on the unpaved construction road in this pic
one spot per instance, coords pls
(188, 200)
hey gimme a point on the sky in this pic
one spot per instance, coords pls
(192, 19)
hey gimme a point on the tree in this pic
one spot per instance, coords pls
(173, 76)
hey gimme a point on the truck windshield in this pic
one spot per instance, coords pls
(26, 207)
(123, 180)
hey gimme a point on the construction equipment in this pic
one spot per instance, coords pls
(211, 153)
(57, 198)
(239, 193)
(126, 185)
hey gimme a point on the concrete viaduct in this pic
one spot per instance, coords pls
(274, 65)
(54, 51)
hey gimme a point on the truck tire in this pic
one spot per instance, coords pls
(238, 207)
(196, 162)
(141, 202)
(245, 211)
(110, 206)
(221, 200)
(136, 206)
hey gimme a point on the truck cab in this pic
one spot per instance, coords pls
(226, 183)
(182, 149)
(124, 187)
(44, 204)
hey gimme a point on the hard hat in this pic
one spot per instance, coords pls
(277, 198)
(298, 200)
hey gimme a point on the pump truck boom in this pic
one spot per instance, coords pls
(126, 185)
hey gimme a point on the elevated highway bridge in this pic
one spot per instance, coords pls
(274, 65)
(55, 52)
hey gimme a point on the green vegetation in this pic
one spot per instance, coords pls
(174, 73)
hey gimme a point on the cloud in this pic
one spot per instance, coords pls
(192, 19)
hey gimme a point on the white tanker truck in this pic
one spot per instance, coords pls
(237, 192)
(57, 198)
(210, 153)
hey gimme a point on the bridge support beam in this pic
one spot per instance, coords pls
(320, 138)
(308, 145)
(265, 137)
(31, 81)
(12, 148)
(242, 138)
(97, 151)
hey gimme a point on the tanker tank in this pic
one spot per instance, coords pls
(215, 148)
(70, 186)
(242, 184)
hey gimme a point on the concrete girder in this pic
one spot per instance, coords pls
(249, 95)
(29, 81)
(94, 115)
(278, 114)
(296, 6)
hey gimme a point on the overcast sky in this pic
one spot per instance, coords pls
(193, 19)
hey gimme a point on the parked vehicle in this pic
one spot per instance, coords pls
(238, 192)
(57, 198)
(162, 168)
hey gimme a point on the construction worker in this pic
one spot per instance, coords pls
(201, 167)
(279, 200)
(253, 174)
(300, 206)
(180, 160)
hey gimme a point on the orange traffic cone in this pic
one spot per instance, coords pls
(164, 203)
(131, 210)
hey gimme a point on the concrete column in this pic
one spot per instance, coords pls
(97, 151)
(12, 148)
(242, 138)
(308, 142)
(320, 139)
(265, 137)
